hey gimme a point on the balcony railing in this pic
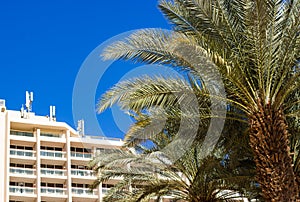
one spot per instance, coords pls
(57, 154)
(105, 190)
(79, 172)
(53, 190)
(83, 191)
(21, 152)
(21, 190)
(21, 171)
(81, 155)
(19, 133)
(51, 135)
(55, 172)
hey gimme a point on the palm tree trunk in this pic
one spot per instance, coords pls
(269, 140)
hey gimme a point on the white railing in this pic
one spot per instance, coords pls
(81, 155)
(22, 152)
(53, 190)
(19, 133)
(21, 190)
(57, 154)
(56, 172)
(26, 171)
(51, 135)
(83, 191)
(102, 138)
(79, 172)
(105, 190)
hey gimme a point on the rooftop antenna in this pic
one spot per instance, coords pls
(2, 105)
(80, 127)
(52, 113)
(29, 100)
(22, 112)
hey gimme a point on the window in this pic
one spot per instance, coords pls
(107, 185)
(21, 147)
(52, 185)
(81, 167)
(21, 165)
(21, 184)
(52, 166)
(51, 148)
(81, 150)
(75, 185)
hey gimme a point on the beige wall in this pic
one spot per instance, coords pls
(12, 120)
(3, 155)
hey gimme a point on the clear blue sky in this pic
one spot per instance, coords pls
(43, 44)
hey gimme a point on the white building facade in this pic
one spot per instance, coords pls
(43, 160)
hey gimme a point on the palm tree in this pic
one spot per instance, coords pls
(212, 179)
(254, 45)
(150, 176)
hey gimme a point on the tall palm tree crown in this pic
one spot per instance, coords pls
(255, 46)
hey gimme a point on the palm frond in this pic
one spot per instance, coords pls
(145, 92)
(148, 46)
(188, 179)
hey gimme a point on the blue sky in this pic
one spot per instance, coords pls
(44, 43)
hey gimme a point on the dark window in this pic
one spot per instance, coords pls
(28, 166)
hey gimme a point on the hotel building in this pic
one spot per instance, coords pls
(43, 160)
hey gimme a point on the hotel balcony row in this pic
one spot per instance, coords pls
(50, 172)
(54, 190)
(61, 137)
(29, 152)
(54, 194)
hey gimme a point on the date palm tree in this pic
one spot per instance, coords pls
(149, 176)
(255, 46)
(207, 179)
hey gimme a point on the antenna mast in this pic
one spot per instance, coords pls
(52, 113)
(80, 127)
(25, 113)
(29, 100)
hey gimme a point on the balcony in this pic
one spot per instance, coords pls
(81, 155)
(51, 135)
(84, 191)
(19, 133)
(85, 173)
(55, 154)
(53, 190)
(53, 172)
(21, 171)
(21, 152)
(105, 190)
(21, 190)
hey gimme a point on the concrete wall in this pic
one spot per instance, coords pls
(3, 157)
